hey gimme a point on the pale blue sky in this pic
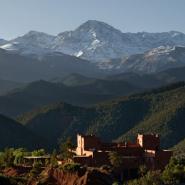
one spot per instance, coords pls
(53, 16)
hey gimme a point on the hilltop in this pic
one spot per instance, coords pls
(13, 134)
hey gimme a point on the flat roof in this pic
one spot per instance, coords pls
(37, 157)
(81, 156)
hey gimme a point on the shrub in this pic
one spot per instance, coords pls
(71, 167)
(7, 158)
(151, 178)
(36, 170)
(174, 172)
(12, 180)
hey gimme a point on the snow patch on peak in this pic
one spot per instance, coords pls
(79, 54)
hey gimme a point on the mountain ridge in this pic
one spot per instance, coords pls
(96, 41)
(40, 93)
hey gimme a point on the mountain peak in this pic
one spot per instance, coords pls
(94, 24)
(33, 33)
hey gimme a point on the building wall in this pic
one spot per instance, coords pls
(129, 151)
(80, 148)
(162, 158)
(149, 141)
(85, 143)
(132, 162)
(91, 142)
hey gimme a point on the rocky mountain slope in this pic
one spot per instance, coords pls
(152, 61)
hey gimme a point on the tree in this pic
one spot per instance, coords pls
(19, 155)
(66, 149)
(11, 157)
(53, 159)
(39, 152)
(8, 157)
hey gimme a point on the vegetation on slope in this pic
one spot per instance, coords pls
(58, 121)
(174, 174)
(165, 115)
(179, 149)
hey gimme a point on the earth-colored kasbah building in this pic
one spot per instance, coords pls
(146, 150)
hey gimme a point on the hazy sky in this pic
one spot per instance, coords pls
(53, 16)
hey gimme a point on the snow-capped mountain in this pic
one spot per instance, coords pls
(94, 41)
(152, 61)
(97, 41)
(32, 43)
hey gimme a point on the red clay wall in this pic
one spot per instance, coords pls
(91, 142)
(149, 142)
